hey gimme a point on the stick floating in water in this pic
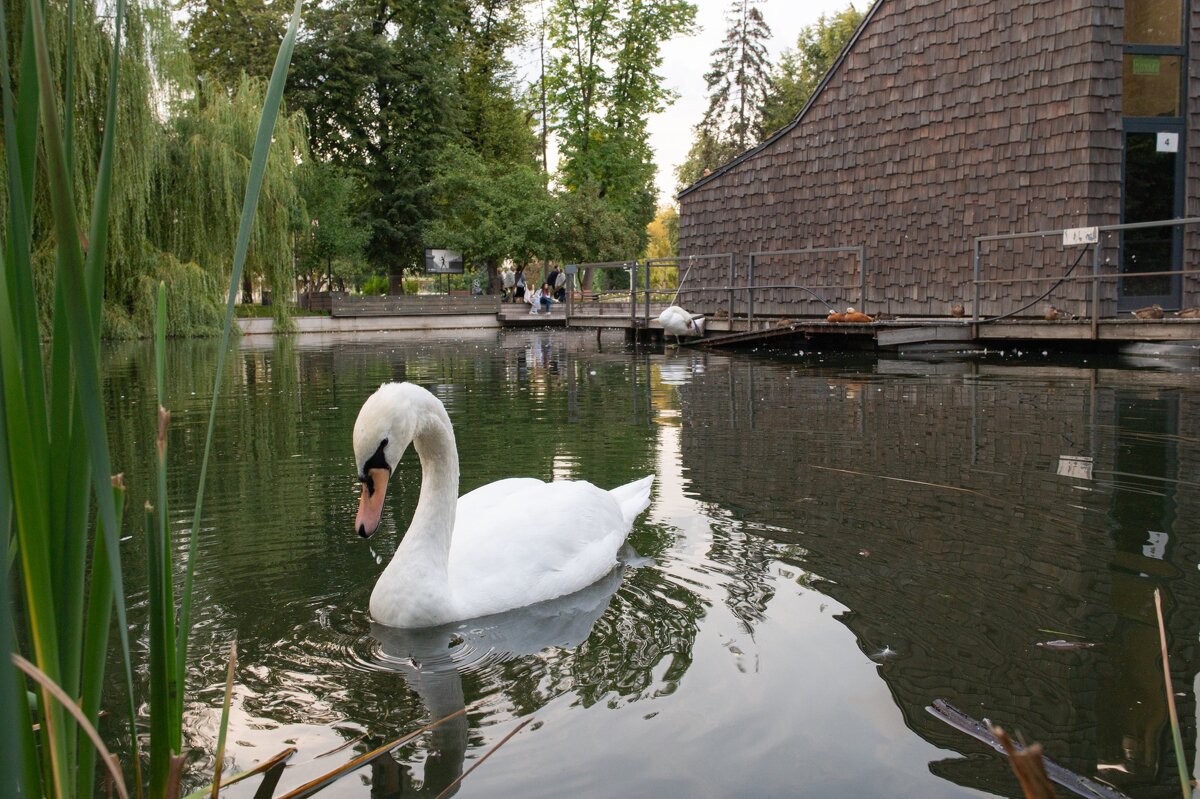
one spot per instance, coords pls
(1073, 782)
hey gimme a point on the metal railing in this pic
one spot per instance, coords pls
(640, 283)
(752, 287)
(650, 264)
(1096, 276)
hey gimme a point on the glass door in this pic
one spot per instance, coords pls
(1154, 107)
(1153, 179)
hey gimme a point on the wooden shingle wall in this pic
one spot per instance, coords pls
(948, 119)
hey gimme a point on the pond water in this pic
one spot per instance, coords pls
(833, 543)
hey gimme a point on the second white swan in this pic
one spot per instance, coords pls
(504, 545)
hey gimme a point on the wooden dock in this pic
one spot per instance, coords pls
(914, 334)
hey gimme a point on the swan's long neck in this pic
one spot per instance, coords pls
(433, 520)
(420, 566)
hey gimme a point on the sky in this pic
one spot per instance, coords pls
(686, 59)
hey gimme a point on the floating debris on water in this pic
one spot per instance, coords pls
(1061, 645)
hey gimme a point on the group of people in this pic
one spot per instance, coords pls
(553, 290)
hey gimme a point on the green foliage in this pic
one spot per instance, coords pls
(489, 211)
(175, 187)
(802, 69)
(603, 86)
(708, 151)
(335, 232)
(739, 79)
(588, 229)
(383, 102)
(229, 38)
(496, 120)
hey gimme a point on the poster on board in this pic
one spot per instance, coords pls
(443, 262)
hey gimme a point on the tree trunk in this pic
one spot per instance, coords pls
(495, 285)
(247, 289)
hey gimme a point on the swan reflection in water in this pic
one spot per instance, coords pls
(434, 659)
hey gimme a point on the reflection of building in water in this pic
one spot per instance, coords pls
(934, 509)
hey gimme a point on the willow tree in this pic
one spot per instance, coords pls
(137, 154)
(199, 195)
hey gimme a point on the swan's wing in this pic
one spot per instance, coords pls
(486, 498)
(538, 541)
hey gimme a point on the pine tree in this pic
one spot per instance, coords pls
(739, 80)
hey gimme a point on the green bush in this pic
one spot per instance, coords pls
(375, 284)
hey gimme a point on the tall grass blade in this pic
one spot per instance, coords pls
(160, 707)
(1176, 736)
(11, 783)
(98, 229)
(95, 644)
(160, 342)
(64, 701)
(166, 717)
(220, 759)
(258, 164)
(21, 143)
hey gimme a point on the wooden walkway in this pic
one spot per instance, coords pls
(893, 334)
(902, 333)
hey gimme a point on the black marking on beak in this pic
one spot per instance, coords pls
(376, 461)
(362, 531)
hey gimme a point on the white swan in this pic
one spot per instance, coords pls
(678, 322)
(504, 545)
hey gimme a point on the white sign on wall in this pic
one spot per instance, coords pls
(1081, 235)
(1168, 142)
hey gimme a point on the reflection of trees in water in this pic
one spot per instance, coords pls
(746, 562)
(961, 585)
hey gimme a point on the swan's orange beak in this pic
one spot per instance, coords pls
(370, 504)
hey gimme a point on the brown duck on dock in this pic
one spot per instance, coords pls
(1155, 311)
(957, 310)
(1188, 313)
(857, 317)
(1055, 314)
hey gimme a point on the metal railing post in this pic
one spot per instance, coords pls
(750, 294)
(648, 269)
(862, 271)
(732, 280)
(632, 293)
(570, 293)
(975, 271)
(1095, 309)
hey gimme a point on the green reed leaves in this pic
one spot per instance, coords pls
(55, 466)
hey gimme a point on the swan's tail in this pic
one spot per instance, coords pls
(633, 497)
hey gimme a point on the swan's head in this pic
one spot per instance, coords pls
(385, 427)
